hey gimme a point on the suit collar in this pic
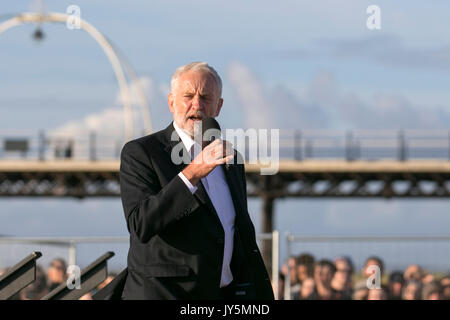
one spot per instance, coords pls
(187, 140)
(170, 137)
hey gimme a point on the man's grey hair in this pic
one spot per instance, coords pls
(196, 66)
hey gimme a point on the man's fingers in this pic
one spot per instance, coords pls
(212, 145)
(218, 152)
(228, 148)
(225, 160)
(230, 157)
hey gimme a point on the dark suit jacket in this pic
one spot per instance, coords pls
(176, 238)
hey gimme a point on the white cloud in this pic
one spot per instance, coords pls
(108, 122)
(326, 105)
(252, 96)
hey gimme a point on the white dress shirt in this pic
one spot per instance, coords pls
(218, 191)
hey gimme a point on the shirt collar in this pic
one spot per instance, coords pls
(185, 138)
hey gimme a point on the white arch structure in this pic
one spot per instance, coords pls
(30, 17)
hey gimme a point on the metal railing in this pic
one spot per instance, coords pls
(387, 247)
(293, 144)
(71, 243)
(68, 243)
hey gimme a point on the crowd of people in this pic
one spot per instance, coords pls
(309, 280)
(338, 280)
(47, 281)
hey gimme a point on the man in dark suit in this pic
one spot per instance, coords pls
(191, 236)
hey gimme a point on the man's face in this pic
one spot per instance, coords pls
(376, 294)
(360, 294)
(396, 289)
(302, 272)
(445, 283)
(410, 292)
(366, 271)
(293, 270)
(324, 274)
(195, 96)
(56, 272)
(342, 271)
(308, 287)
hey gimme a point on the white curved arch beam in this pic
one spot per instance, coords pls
(101, 40)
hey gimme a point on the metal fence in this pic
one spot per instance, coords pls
(431, 252)
(293, 144)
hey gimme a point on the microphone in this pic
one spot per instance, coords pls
(210, 132)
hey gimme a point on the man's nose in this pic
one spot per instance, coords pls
(196, 103)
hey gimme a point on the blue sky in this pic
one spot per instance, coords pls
(310, 65)
(284, 45)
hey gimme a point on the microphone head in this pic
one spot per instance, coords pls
(210, 129)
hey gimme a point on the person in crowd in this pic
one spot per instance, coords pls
(368, 270)
(324, 271)
(377, 294)
(305, 267)
(308, 290)
(342, 280)
(292, 269)
(412, 290)
(427, 278)
(372, 261)
(304, 264)
(360, 291)
(108, 279)
(294, 284)
(56, 273)
(414, 272)
(431, 291)
(445, 286)
(86, 296)
(395, 285)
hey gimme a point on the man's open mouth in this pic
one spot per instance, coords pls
(196, 118)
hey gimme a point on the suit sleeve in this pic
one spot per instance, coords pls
(148, 208)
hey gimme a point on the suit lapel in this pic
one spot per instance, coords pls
(173, 140)
(235, 189)
(202, 195)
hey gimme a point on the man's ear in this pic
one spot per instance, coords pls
(219, 106)
(170, 102)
